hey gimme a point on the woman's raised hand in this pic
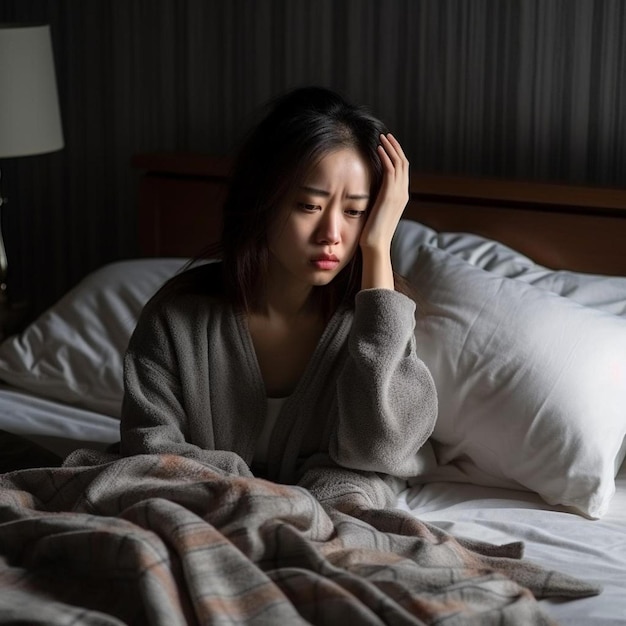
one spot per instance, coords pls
(392, 198)
(385, 214)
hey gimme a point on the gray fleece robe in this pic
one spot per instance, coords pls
(365, 402)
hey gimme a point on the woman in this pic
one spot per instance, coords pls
(296, 351)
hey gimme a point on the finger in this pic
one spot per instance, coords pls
(386, 160)
(392, 165)
(396, 144)
(394, 151)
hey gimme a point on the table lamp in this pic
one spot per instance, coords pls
(30, 122)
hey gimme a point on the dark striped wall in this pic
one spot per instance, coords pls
(512, 88)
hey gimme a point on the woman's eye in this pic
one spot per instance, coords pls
(355, 213)
(307, 207)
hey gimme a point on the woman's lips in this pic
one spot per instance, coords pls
(327, 262)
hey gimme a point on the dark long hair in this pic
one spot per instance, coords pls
(300, 128)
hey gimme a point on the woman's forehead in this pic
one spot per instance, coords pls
(346, 162)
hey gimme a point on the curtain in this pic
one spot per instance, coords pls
(528, 89)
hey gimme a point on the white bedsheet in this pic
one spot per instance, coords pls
(594, 550)
(58, 427)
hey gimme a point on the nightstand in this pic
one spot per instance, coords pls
(13, 316)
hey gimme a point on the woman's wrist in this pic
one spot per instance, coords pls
(377, 269)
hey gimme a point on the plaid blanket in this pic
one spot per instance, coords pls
(164, 540)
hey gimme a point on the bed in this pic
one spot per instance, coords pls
(522, 321)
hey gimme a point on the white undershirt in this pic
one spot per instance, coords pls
(274, 405)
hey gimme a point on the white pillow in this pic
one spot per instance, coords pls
(480, 251)
(74, 351)
(602, 292)
(532, 386)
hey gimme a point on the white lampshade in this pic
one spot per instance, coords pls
(30, 122)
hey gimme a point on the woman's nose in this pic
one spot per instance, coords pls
(328, 230)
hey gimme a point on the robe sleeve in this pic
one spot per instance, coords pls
(386, 396)
(154, 419)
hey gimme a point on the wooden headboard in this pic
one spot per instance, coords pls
(559, 226)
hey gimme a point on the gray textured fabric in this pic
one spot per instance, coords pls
(162, 540)
(192, 384)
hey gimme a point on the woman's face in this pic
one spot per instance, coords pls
(316, 230)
